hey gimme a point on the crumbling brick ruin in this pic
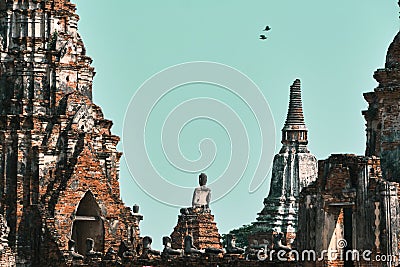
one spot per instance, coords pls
(58, 159)
(60, 202)
(383, 115)
(349, 207)
(201, 227)
(356, 198)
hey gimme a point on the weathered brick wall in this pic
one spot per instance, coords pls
(383, 114)
(55, 144)
(354, 183)
(201, 227)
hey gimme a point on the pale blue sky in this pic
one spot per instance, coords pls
(332, 46)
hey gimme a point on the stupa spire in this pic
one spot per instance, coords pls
(294, 132)
(295, 117)
(294, 168)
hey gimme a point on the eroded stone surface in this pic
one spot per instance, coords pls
(55, 144)
(293, 168)
(59, 164)
(349, 201)
(201, 226)
(356, 198)
(383, 114)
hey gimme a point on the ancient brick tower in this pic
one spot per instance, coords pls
(58, 159)
(355, 200)
(293, 168)
(383, 115)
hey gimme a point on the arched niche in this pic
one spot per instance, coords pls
(88, 224)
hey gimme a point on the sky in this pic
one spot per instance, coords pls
(333, 47)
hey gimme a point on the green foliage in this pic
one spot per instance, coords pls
(241, 235)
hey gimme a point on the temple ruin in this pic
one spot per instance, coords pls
(355, 199)
(58, 162)
(293, 169)
(60, 202)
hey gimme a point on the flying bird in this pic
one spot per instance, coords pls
(267, 28)
(263, 37)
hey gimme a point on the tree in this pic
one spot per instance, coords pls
(241, 235)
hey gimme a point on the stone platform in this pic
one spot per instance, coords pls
(200, 225)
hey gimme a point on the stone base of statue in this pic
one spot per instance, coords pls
(198, 223)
